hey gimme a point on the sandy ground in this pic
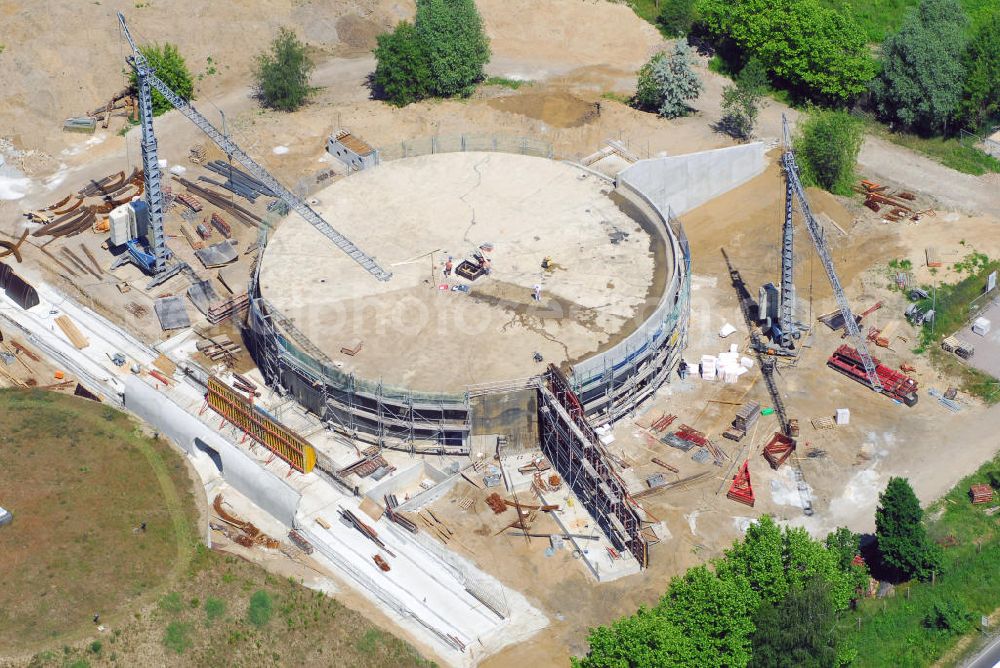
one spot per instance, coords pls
(413, 215)
(592, 48)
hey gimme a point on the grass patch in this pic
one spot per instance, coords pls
(215, 608)
(621, 98)
(949, 152)
(513, 84)
(923, 621)
(261, 608)
(178, 637)
(881, 18)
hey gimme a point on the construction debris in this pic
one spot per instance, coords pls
(496, 503)
(351, 520)
(250, 535)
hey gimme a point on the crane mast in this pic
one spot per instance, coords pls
(819, 241)
(147, 80)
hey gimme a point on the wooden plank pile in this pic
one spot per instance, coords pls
(981, 494)
(190, 201)
(72, 333)
(228, 308)
(778, 450)
(219, 348)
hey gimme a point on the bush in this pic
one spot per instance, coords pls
(170, 67)
(261, 608)
(282, 75)
(819, 53)
(676, 17)
(666, 83)
(920, 86)
(741, 101)
(826, 147)
(949, 616)
(403, 69)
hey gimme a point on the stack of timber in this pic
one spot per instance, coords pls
(218, 348)
(72, 333)
(981, 494)
(227, 308)
(245, 216)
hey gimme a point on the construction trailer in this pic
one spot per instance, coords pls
(573, 449)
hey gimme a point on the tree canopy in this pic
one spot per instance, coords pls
(452, 33)
(797, 632)
(981, 90)
(170, 67)
(741, 101)
(817, 51)
(902, 539)
(403, 72)
(667, 82)
(920, 86)
(282, 75)
(706, 617)
(826, 147)
(441, 54)
(676, 17)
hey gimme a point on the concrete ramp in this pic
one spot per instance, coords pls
(680, 183)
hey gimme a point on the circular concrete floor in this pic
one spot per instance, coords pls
(415, 331)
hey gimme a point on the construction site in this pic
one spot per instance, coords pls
(490, 382)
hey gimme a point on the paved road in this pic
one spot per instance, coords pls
(988, 658)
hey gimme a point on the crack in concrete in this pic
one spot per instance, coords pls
(479, 182)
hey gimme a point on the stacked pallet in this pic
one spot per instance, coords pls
(981, 494)
(190, 201)
(228, 308)
(744, 421)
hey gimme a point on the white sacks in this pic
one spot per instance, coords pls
(708, 367)
(843, 416)
(726, 330)
(981, 326)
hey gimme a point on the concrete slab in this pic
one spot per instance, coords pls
(412, 215)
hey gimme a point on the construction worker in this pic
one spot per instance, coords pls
(537, 296)
(448, 267)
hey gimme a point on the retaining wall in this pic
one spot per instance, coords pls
(239, 469)
(680, 183)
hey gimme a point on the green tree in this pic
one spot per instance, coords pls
(798, 632)
(827, 146)
(920, 86)
(816, 51)
(677, 16)
(170, 67)
(403, 69)
(457, 47)
(902, 539)
(666, 83)
(845, 544)
(981, 90)
(282, 75)
(741, 101)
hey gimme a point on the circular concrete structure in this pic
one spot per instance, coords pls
(426, 332)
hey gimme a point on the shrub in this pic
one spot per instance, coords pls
(741, 101)
(403, 69)
(170, 68)
(178, 637)
(827, 147)
(452, 33)
(666, 83)
(282, 75)
(676, 17)
(949, 616)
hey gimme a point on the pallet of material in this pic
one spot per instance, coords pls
(825, 422)
(747, 416)
(734, 434)
(228, 308)
(981, 494)
(72, 333)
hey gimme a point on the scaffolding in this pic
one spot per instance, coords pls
(572, 447)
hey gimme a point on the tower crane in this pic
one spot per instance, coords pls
(819, 241)
(155, 261)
